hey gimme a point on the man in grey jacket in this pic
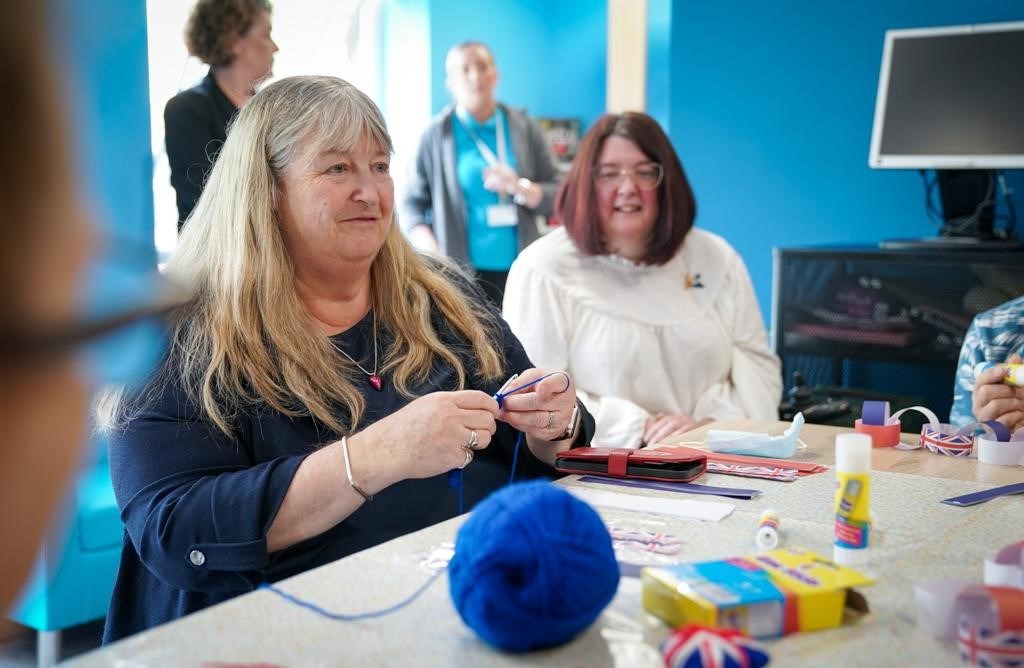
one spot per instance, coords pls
(482, 175)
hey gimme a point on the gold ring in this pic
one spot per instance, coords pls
(473, 441)
(551, 420)
(469, 458)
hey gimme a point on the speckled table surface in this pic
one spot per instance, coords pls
(915, 538)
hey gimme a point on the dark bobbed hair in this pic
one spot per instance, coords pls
(576, 202)
(214, 25)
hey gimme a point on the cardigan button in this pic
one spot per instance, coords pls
(197, 558)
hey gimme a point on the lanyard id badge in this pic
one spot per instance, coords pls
(502, 214)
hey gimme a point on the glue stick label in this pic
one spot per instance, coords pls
(852, 512)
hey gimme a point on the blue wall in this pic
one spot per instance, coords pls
(101, 54)
(551, 55)
(104, 63)
(659, 59)
(771, 107)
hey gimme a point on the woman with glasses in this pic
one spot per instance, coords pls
(324, 380)
(655, 320)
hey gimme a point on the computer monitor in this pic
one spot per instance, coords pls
(951, 99)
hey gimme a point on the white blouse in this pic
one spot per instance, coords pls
(686, 337)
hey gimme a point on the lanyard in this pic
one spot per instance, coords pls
(484, 149)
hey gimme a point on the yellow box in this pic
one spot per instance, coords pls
(764, 595)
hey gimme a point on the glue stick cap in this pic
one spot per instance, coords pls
(767, 536)
(853, 452)
(846, 556)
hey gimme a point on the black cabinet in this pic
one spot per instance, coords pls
(860, 322)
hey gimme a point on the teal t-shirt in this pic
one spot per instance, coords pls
(490, 248)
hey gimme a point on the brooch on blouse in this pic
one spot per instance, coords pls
(693, 281)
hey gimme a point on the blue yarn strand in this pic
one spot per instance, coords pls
(455, 475)
(455, 482)
(515, 458)
(302, 603)
(500, 396)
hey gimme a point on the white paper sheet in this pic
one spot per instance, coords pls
(711, 511)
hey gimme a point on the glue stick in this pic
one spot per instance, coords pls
(1014, 374)
(852, 502)
(767, 537)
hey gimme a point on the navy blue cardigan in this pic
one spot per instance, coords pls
(184, 487)
(195, 128)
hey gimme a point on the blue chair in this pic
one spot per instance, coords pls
(74, 576)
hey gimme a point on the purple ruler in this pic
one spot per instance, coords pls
(683, 487)
(984, 495)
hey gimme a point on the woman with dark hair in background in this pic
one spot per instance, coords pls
(655, 320)
(233, 38)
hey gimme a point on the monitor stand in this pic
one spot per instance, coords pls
(950, 243)
(968, 208)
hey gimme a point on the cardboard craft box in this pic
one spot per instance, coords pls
(764, 595)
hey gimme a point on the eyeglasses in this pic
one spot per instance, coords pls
(646, 176)
(22, 347)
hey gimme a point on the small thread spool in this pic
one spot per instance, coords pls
(767, 536)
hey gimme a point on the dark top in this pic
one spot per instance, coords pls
(195, 122)
(185, 488)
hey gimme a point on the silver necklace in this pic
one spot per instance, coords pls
(375, 380)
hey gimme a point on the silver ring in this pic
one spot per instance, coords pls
(469, 458)
(473, 441)
(551, 420)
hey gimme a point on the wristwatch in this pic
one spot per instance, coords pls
(574, 423)
(524, 186)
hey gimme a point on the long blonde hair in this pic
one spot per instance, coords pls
(247, 338)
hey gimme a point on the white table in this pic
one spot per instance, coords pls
(916, 538)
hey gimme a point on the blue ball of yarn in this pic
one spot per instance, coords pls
(533, 567)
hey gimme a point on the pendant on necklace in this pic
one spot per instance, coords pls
(377, 382)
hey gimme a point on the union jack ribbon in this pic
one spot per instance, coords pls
(662, 543)
(952, 445)
(752, 471)
(697, 646)
(980, 647)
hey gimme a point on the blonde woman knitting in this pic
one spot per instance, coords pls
(324, 381)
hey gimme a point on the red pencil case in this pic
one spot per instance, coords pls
(677, 465)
